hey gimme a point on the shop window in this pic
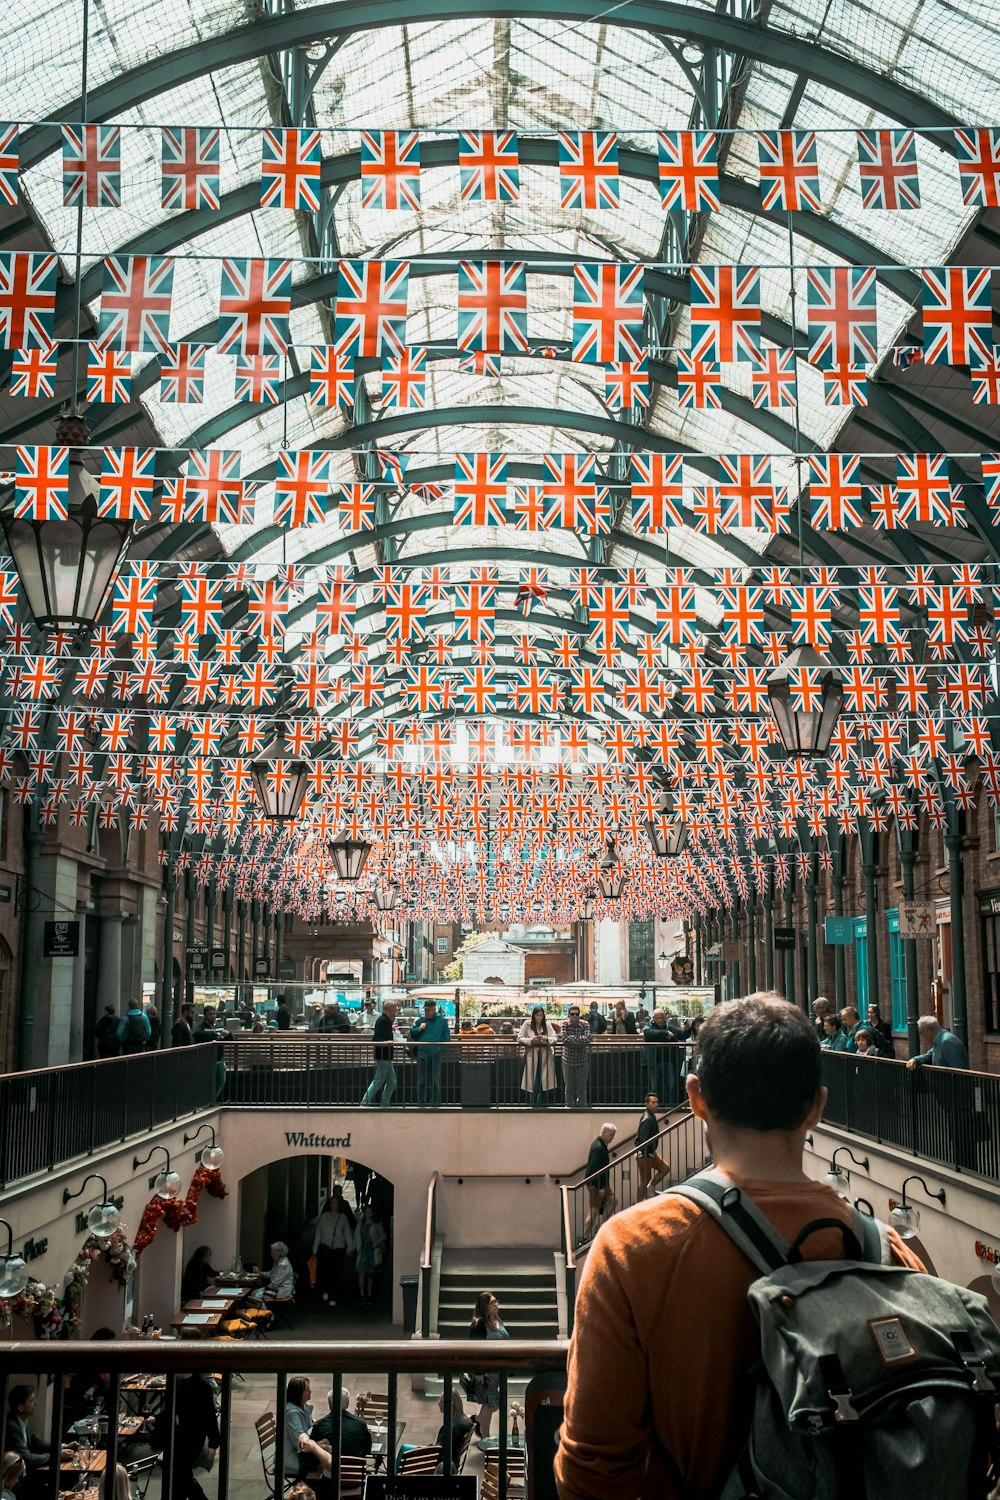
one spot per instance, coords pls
(640, 950)
(442, 945)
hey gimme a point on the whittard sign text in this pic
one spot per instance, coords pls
(309, 1140)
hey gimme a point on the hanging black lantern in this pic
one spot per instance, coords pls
(67, 567)
(806, 730)
(667, 832)
(387, 895)
(280, 777)
(349, 857)
(611, 881)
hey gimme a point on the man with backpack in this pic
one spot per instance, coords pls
(845, 1374)
(134, 1029)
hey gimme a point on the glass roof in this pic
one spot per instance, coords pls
(537, 76)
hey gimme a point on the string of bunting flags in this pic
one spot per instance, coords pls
(489, 167)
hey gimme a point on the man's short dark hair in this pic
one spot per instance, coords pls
(758, 1063)
(18, 1395)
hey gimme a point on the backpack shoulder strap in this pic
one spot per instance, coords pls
(750, 1231)
(873, 1238)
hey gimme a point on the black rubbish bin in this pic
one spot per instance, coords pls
(409, 1285)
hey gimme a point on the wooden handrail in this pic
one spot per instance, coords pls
(567, 1228)
(186, 1356)
(429, 1222)
(635, 1150)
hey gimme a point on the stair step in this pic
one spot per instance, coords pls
(474, 1279)
(523, 1296)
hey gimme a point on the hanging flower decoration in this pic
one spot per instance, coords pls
(56, 1310)
(177, 1213)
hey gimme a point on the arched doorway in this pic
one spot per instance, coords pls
(283, 1200)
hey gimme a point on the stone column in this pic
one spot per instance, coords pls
(109, 960)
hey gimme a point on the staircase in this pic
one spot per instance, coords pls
(523, 1282)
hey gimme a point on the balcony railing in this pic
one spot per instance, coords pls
(484, 1073)
(144, 1375)
(54, 1114)
(944, 1115)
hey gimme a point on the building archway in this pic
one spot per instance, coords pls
(282, 1200)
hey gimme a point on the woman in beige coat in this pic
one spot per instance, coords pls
(539, 1073)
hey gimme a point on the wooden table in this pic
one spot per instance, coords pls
(199, 1325)
(220, 1305)
(128, 1427)
(378, 1444)
(143, 1394)
(70, 1469)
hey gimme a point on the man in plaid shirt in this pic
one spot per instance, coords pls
(575, 1059)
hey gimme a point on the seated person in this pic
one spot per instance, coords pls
(12, 1471)
(355, 1437)
(33, 1451)
(298, 1420)
(279, 1285)
(461, 1426)
(198, 1274)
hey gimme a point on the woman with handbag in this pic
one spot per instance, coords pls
(369, 1248)
(538, 1076)
(486, 1324)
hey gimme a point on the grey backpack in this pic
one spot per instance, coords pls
(874, 1381)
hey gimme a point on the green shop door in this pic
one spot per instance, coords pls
(861, 961)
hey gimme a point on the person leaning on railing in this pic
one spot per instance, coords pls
(430, 1033)
(575, 1039)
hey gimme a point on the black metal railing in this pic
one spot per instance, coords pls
(944, 1115)
(54, 1114)
(141, 1379)
(680, 1147)
(480, 1074)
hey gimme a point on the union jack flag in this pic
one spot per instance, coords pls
(986, 381)
(657, 491)
(885, 507)
(845, 385)
(699, 382)
(527, 508)
(492, 306)
(290, 167)
(135, 303)
(725, 314)
(41, 483)
(588, 169)
(607, 314)
(991, 480)
(480, 489)
(390, 169)
(569, 493)
(835, 491)
(189, 167)
(370, 308)
(887, 167)
(213, 490)
(182, 374)
(979, 167)
(626, 386)
(789, 177)
(258, 378)
(356, 504)
(336, 605)
(109, 376)
(134, 598)
(609, 618)
(923, 488)
(255, 304)
(773, 381)
(391, 466)
(480, 363)
(331, 377)
(957, 307)
(127, 481)
(10, 159)
(841, 316)
(27, 300)
(688, 169)
(301, 488)
(33, 371)
(92, 166)
(488, 165)
(746, 491)
(404, 380)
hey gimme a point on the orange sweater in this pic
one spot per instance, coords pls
(662, 1341)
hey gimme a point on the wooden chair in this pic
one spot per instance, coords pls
(352, 1476)
(420, 1461)
(515, 1468)
(140, 1473)
(463, 1452)
(372, 1404)
(278, 1306)
(267, 1437)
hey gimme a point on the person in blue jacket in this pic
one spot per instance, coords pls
(942, 1049)
(430, 1033)
(134, 1030)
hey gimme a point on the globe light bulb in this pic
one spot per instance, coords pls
(905, 1220)
(103, 1220)
(837, 1178)
(13, 1276)
(167, 1185)
(212, 1158)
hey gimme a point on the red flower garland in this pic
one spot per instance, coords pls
(177, 1213)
